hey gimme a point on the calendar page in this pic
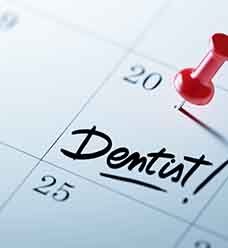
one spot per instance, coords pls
(95, 151)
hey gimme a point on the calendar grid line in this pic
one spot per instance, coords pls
(67, 24)
(2, 143)
(182, 236)
(6, 202)
(19, 186)
(139, 38)
(200, 227)
(126, 52)
(154, 208)
(85, 31)
(125, 55)
(78, 29)
(97, 90)
(178, 218)
(155, 60)
(210, 231)
(201, 211)
(93, 95)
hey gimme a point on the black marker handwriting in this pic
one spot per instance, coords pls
(121, 157)
(130, 180)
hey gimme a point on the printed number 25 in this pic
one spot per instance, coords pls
(60, 194)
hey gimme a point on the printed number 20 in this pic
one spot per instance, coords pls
(60, 194)
(150, 81)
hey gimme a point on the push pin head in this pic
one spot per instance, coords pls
(191, 89)
(195, 84)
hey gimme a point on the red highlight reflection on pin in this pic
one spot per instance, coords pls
(195, 84)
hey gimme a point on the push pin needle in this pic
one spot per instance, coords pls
(195, 84)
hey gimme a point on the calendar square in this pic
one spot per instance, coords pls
(90, 216)
(48, 73)
(114, 20)
(215, 216)
(181, 35)
(135, 115)
(15, 166)
(97, 147)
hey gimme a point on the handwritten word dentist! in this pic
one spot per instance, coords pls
(121, 157)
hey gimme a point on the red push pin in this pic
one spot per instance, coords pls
(195, 85)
